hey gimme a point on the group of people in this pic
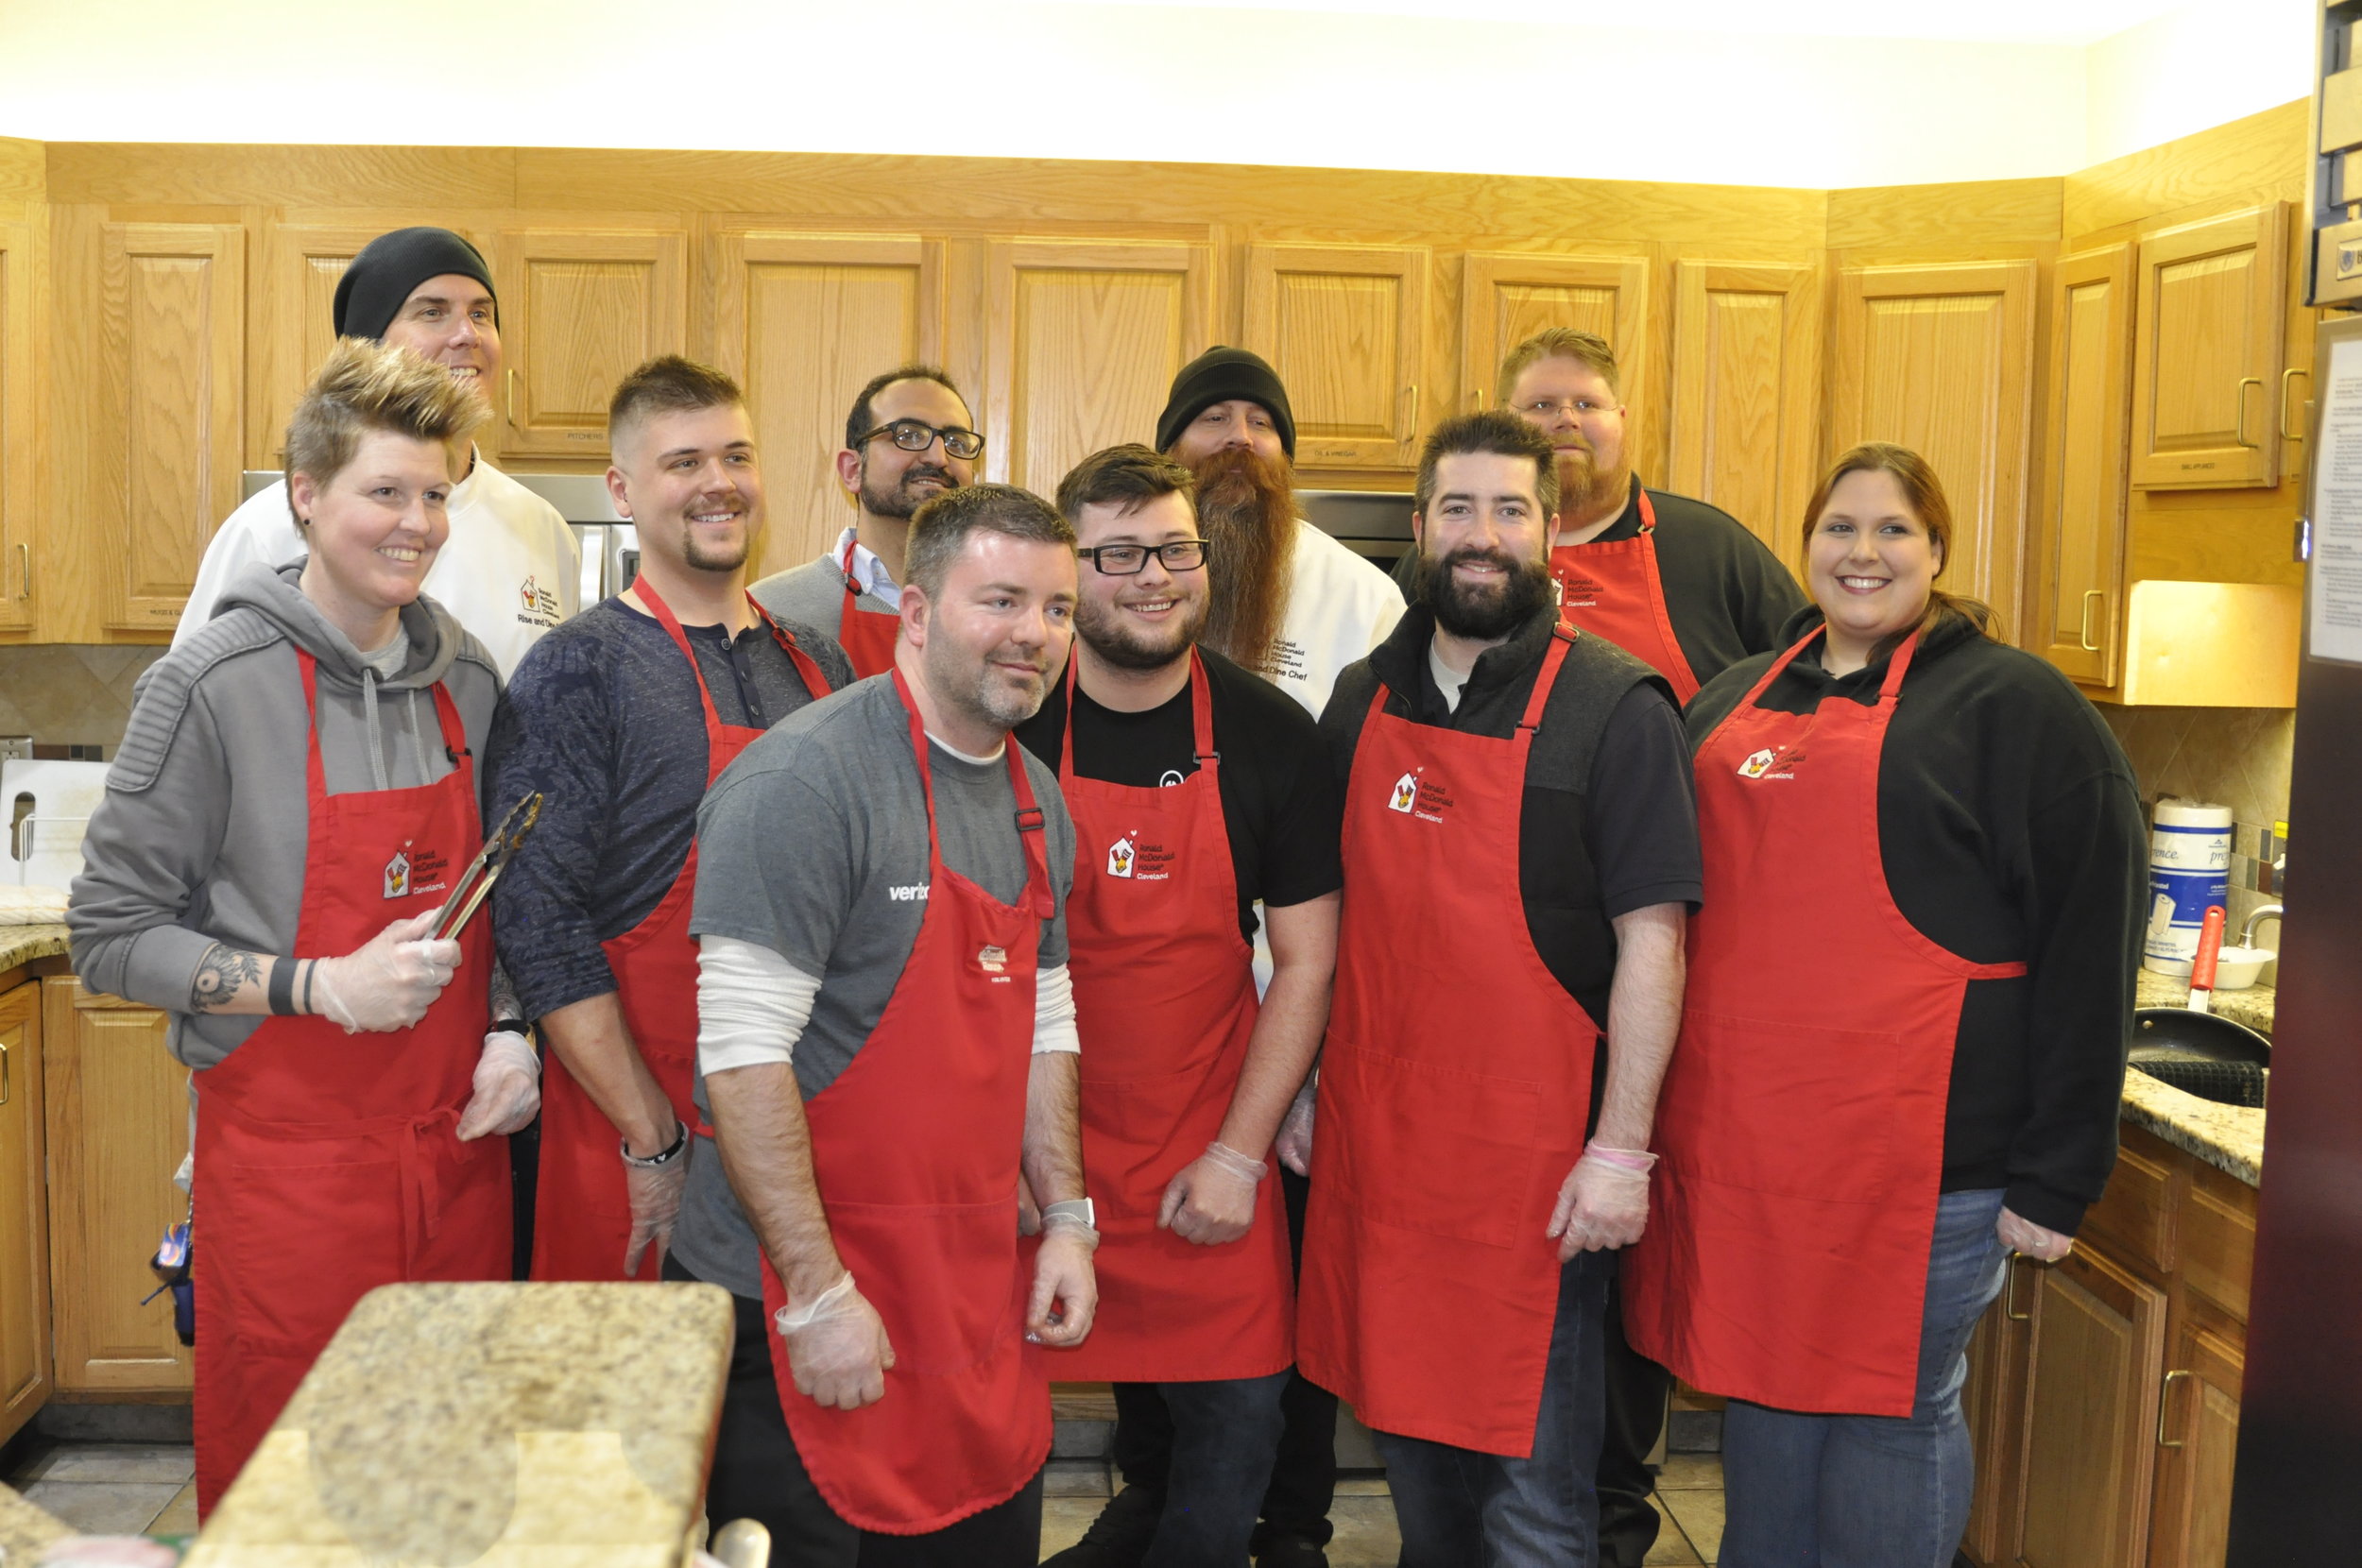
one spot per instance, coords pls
(1115, 936)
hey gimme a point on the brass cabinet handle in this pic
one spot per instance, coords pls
(2008, 1297)
(2083, 626)
(4, 1072)
(509, 395)
(2164, 1392)
(1413, 390)
(2238, 429)
(25, 558)
(2285, 434)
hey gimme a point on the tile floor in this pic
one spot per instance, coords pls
(110, 1488)
(146, 1488)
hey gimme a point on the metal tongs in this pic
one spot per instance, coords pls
(477, 879)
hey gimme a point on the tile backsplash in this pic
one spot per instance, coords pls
(70, 695)
(2235, 757)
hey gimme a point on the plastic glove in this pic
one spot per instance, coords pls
(655, 1196)
(389, 982)
(1294, 1143)
(2020, 1234)
(1212, 1200)
(1602, 1203)
(1063, 1277)
(1028, 1211)
(836, 1347)
(507, 1087)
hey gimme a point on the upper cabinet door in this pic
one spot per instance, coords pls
(17, 434)
(1747, 393)
(803, 321)
(580, 309)
(1506, 297)
(1939, 359)
(1345, 327)
(2207, 352)
(2080, 593)
(1082, 341)
(163, 442)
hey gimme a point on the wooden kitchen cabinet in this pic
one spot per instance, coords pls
(19, 429)
(1506, 297)
(580, 309)
(1345, 327)
(1082, 341)
(2093, 1362)
(2197, 1437)
(2207, 352)
(1747, 394)
(117, 1116)
(802, 322)
(24, 1213)
(2079, 592)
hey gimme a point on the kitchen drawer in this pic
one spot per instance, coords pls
(2136, 1211)
(2218, 1238)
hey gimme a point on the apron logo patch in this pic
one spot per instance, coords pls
(1173, 777)
(992, 961)
(1759, 764)
(1138, 863)
(1406, 793)
(538, 605)
(398, 875)
(1415, 796)
(1119, 858)
(1581, 593)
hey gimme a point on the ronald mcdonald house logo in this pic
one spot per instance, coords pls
(1418, 797)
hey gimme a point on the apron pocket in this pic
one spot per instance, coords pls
(301, 1243)
(943, 1277)
(1424, 1148)
(1136, 1131)
(1795, 1109)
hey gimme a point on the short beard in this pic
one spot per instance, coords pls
(899, 501)
(1113, 643)
(694, 555)
(1246, 508)
(976, 691)
(1480, 614)
(1585, 490)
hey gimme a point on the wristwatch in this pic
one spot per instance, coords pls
(1071, 1208)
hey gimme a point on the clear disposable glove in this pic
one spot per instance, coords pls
(507, 1092)
(1212, 1200)
(1028, 1211)
(836, 1347)
(1066, 1292)
(2021, 1235)
(1603, 1203)
(1294, 1143)
(655, 1195)
(389, 982)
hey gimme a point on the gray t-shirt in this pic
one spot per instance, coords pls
(813, 845)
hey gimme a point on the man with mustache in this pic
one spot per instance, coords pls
(1200, 794)
(908, 439)
(1288, 602)
(513, 568)
(620, 718)
(1468, 1195)
(886, 1037)
(1686, 588)
(1679, 585)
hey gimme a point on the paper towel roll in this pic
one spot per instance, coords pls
(2189, 868)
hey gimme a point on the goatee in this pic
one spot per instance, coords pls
(1482, 612)
(1586, 490)
(1246, 509)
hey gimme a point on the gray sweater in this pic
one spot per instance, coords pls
(813, 595)
(202, 836)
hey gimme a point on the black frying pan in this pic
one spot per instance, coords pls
(2200, 1053)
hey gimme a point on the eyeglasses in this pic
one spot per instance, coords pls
(917, 436)
(1543, 408)
(1129, 561)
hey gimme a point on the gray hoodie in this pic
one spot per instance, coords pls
(202, 836)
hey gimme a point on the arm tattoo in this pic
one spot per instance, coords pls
(221, 974)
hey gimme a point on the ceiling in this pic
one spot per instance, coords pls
(2073, 23)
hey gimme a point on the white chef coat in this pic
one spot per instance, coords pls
(1339, 607)
(510, 572)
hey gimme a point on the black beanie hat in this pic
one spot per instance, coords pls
(1217, 376)
(371, 292)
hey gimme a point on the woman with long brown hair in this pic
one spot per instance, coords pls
(1909, 993)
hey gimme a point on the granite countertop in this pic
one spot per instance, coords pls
(2229, 1137)
(25, 1529)
(24, 943)
(497, 1424)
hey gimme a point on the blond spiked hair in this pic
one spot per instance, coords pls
(365, 385)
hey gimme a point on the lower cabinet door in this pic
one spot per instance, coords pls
(24, 1214)
(2088, 1433)
(2197, 1437)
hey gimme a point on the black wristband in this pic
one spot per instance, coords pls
(511, 1026)
(658, 1161)
(281, 992)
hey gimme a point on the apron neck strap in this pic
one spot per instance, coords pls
(1648, 510)
(1897, 666)
(1201, 714)
(1038, 899)
(1562, 638)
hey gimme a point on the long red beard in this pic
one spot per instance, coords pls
(1246, 508)
(1585, 490)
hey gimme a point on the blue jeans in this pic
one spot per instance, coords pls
(1873, 1491)
(1459, 1508)
(1224, 1433)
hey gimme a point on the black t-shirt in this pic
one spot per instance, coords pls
(1608, 819)
(1279, 801)
(1726, 595)
(2009, 826)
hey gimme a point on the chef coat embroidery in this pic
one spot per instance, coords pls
(397, 874)
(538, 605)
(1119, 858)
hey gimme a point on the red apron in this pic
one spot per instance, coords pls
(1802, 1120)
(582, 1208)
(866, 635)
(916, 1149)
(327, 1163)
(1614, 591)
(1164, 989)
(1455, 1086)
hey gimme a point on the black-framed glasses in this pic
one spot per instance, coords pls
(1129, 561)
(917, 436)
